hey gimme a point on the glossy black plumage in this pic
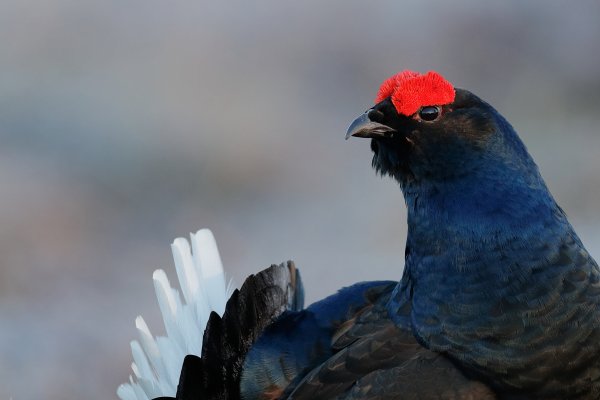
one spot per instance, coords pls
(375, 359)
(498, 298)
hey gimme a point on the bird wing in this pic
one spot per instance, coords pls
(378, 360)
(299, 341)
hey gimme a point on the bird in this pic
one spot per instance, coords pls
(498, 297)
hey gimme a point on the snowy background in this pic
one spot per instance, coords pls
(124, 124)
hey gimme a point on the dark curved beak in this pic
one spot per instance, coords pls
(365, 128)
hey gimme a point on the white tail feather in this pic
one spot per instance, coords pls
(157, 361)
(208, 263)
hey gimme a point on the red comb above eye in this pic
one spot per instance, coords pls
(410, 91)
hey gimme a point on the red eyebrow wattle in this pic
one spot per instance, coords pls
(409, 91)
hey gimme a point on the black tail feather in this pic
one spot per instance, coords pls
(261, 299)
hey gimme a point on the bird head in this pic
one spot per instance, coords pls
(425, 130)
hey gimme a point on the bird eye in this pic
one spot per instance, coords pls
(429, 113)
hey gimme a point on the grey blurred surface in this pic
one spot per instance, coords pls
(126, 124)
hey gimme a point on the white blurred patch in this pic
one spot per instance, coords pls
(157, 361)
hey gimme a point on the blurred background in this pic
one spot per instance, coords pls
(124, 124)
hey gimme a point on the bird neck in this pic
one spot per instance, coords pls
(489, 266)
(467, 215)
(475, 230)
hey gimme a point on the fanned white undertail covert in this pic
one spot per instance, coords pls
(157, 361)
